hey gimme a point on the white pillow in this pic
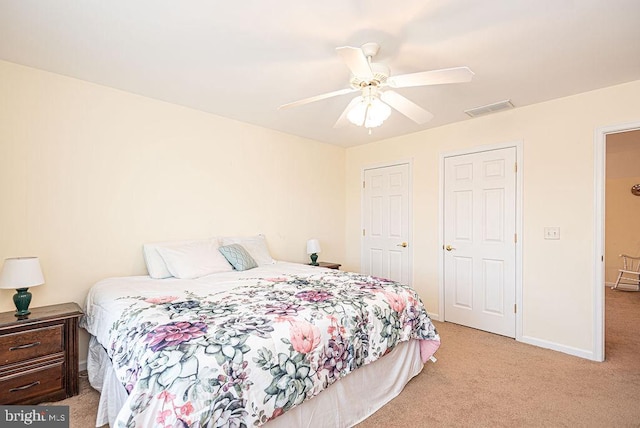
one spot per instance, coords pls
(194, 259)
(156, 266)
(256, 246)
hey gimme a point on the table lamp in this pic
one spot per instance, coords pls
(313, 248)
(20, 273)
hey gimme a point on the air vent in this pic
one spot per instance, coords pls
(490, 108)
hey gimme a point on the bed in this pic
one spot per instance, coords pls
(279, 344)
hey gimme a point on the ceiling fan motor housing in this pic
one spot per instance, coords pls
(380, 75)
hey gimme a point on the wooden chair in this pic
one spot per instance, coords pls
(630, 272)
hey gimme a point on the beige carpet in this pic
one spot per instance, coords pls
(484, 380)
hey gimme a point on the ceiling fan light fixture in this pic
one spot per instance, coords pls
(370, 112)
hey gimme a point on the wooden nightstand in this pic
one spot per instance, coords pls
(39, 355)
(329, 265)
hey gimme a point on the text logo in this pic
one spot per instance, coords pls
(34, 416)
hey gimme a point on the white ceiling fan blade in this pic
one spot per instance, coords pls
(356, 61)
(317, 98)
(410, 109)
(342, 120)
(433, 77)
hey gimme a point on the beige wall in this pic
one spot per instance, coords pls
(622, 207)
(558, 190)
(88, 174)
(623, 154)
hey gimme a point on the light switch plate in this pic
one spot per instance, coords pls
(551, 233)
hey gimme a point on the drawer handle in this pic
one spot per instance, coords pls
(21, 388)
(28, 345)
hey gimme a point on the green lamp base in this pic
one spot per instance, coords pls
(314, 259)
(22, 298)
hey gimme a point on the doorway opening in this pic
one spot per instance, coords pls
(604, 155)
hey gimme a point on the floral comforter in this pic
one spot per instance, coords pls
(243, 355)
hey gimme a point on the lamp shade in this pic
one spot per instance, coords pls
(21, 272)
(313, 246)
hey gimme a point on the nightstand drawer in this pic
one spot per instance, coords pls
(30, 344)
(33, 385)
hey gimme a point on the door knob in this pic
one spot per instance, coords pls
(449, 248)
(403, 245)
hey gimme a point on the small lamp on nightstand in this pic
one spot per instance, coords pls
(21, 273)
(313, 248)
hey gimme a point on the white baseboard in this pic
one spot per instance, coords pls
(582, 353)
(82, 365)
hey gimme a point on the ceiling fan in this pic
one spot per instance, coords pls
(372, 79)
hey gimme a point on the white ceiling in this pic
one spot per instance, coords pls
(243, 59)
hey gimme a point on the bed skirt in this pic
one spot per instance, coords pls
(345, 403)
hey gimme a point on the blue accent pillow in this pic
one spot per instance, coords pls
(238, 257)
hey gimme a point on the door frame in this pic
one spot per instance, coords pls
(409, 163)
(600, 180)
(519, 146)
